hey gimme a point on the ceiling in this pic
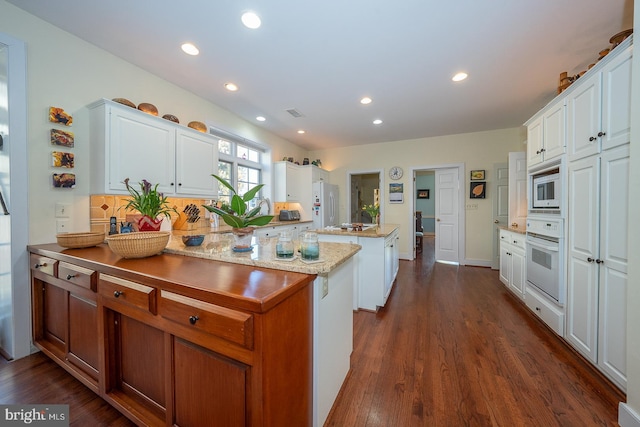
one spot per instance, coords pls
(321, 57)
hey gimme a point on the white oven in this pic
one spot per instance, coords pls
(545, 262)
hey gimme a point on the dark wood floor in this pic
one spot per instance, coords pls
(451, 348)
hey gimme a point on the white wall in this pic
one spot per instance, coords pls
(64, 71)
(479, 150)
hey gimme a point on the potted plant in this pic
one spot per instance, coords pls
(150, 203)
(373, 211)
(239, 216)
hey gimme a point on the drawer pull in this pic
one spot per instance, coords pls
(70, 276)
(193, 319)
(44, 264)
(117, 293)
(537, 308)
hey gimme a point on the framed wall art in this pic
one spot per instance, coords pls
(64, 180)
(423, 194)
(477, 175)
(62, 138)
(477, 190)
(61, 159)
(58, 115)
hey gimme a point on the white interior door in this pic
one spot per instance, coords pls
(447, 210)
(500, 208)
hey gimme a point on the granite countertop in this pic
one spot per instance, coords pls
(513, 229)
(373, 231)
(217, 246)
(224, 228)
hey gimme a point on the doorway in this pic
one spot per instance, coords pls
(15, 319)
(448, 209)
(365, 188)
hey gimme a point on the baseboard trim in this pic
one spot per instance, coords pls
(627, 417)
(477, 263)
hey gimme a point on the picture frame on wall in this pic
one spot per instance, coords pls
(423, 194)
(396, 193)
(477, 190)
(477, 175)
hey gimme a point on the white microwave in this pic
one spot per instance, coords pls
(546, 191)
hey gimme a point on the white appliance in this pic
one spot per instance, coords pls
(546, 191)
(545, 261)
(325, 205)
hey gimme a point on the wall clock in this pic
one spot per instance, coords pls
(395, 172)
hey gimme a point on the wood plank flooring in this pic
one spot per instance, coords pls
(452, 348)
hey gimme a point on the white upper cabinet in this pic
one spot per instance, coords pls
(546, 139)
(599, 108)
(127, 143)
(287, 182)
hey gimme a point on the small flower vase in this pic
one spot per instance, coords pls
(146, 223)
(242, 239)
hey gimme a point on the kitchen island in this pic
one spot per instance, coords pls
(182, 340)
(377, 261)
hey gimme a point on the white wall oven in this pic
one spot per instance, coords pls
(545, 263)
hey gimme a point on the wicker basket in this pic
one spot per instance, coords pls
(79, 240)
(138, 245)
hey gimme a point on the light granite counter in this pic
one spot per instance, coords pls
(513, 229)
(217, 246)
(369, 230)
(224, 228)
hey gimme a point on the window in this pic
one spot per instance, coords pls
(241, 164)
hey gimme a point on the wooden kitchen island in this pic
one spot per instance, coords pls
(178, 340)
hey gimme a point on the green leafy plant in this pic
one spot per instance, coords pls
(148, 201)
(238, 215)
(372, 210)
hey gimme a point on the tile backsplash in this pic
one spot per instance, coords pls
(104, 206)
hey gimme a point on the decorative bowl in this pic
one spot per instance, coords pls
(199, 126)
(138, 245)
(124, 101)
(171, 118)
(79, 240)
(194, 240)
(148, 108)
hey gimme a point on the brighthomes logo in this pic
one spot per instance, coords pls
(39, 415)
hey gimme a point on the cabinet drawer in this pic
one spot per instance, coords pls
(78, 275)
(550, 314)
(234, 326)
(518, 240)
(129, 293)
(46, 265)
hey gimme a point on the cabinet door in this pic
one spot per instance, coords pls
(554, 138)
(583, 118)
(287, 182)
(83, 335)
(614, 219)
(209, 389)
(534, 142)
(140, 148)
(582, 286)
(54, 317)
(616, 101)
(196, 161)
(518, 276)
(505, 263)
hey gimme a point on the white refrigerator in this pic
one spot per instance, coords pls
(325, 205)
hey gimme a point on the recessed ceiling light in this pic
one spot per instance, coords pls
(377, 122)
(260, 119)
(366, 100)
(231, 87)
(459, 77)
(301, 131)
(190, 49)
(251, 20)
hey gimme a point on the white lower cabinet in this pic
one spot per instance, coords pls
(597, 260)
(273, 230)
(513, 262)
(548, 312)
(377, 267)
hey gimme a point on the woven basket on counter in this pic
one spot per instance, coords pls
(79, 240)
(138, 245)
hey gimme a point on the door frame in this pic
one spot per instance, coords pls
(461, 205)
(380, 173)
(18, 200)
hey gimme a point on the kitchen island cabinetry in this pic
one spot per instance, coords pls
(176, 340)
(377, 262)
(513, 261)
(296, 228)
(179, 159)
